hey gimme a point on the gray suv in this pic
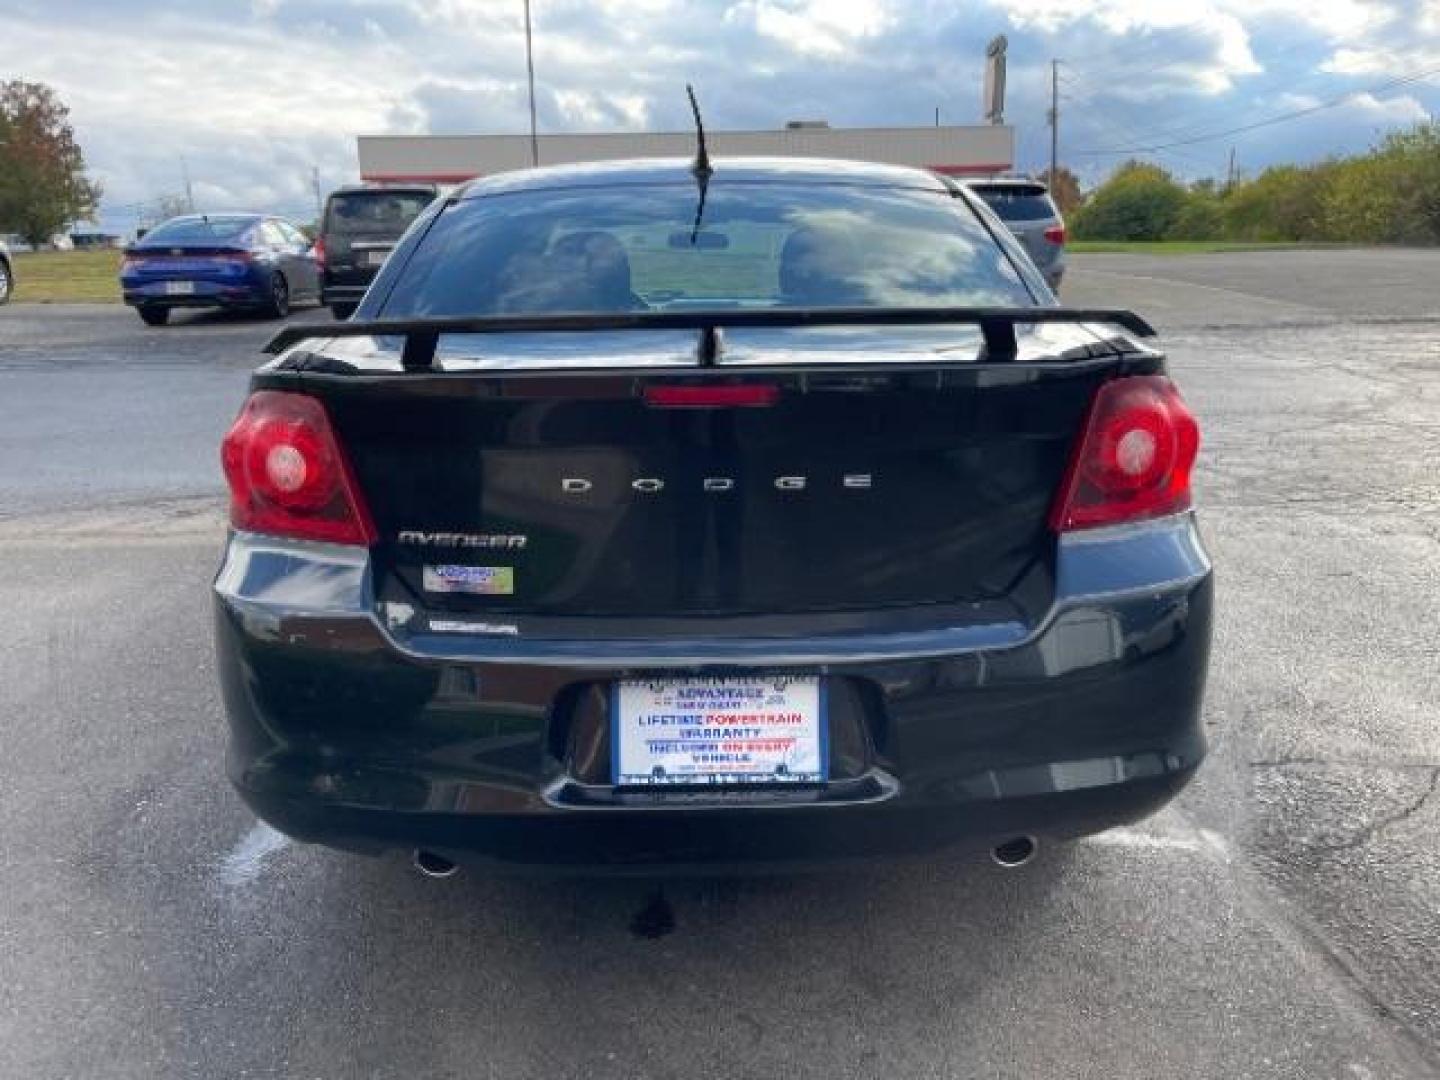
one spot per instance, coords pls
(360, 227)
(1025, 206)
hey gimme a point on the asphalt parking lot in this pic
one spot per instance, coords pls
(1279, 920)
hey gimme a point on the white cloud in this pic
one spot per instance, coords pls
(1338, 20)
(827, 28)
(1198, 45)
(1401, 109)
(253, 93)
(583, 110)
(1383, 61)
(1396, 109)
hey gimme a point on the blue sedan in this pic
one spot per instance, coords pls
(240, 261)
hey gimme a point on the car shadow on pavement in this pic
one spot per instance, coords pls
(714, 969)
(200, 318)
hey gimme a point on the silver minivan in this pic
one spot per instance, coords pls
(1025, 206)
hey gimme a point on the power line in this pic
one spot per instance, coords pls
(1090, 118)
(1279, 118)
(1159, 132)
(1111, 124)
(1167, 132)
(1122, 130)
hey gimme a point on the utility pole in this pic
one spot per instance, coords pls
(937, 115)
(1230, 172)
(530, 74)
(189, 191)
(315, 183)
(1054, 122)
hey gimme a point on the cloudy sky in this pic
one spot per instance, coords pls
(253, 94)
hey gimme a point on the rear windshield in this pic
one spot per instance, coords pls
(638, 248)
(200, 230)
(1015, 203)
(377, 213)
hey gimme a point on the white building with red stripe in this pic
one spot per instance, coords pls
(966, 150)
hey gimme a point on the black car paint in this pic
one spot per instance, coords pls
(350, 729)
(804, 519)
(365, 716)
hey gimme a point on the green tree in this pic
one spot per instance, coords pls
(1362, 204)
(1286, 202)
(1201, 218)
(42, 171)
(1065, 189)
(1138, 202)
(1410, 162)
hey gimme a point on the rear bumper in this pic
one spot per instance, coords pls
(240, 293)
(342, 294)
(354, 732)
(346, 285)
(693, 841)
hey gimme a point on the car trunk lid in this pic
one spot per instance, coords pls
(187, 261)
(856, 468)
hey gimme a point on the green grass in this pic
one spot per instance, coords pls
(1183, 247)
(67, 277)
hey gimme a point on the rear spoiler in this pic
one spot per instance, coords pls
(997, 326)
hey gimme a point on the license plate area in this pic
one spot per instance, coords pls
(374, 258)
(179, 288)
(719, 732)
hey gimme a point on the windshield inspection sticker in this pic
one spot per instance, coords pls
(476, 580)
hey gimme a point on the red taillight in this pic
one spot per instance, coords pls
(319, 251)
(288, 475)
(1133, 459)
(703, 396)
(1055, 234)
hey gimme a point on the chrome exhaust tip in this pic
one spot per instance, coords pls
(432, 865)
(1015, 852)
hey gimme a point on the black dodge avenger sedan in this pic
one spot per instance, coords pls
(657, 514)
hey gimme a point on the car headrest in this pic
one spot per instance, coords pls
(820, 267)
(597, 262)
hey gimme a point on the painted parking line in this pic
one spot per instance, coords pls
(246, 861)
(1204, 842)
